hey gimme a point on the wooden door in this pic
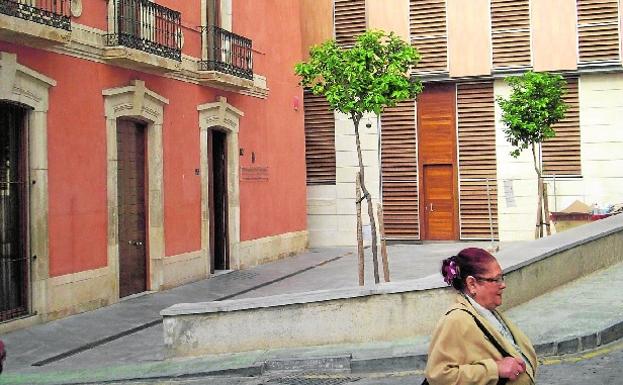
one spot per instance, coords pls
(437, 162)
(131, 200)
(218, 200)
(439, 201)
(14, 261)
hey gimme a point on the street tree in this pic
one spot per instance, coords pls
(535, 104)
(366, 78)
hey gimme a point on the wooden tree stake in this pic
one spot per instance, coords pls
(379, 216)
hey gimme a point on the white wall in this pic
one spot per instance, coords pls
(331, 209)
(601, 118)
(601, 182)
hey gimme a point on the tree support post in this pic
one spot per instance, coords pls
(379, 216)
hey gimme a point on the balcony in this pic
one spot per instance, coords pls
(144, 35)
(35, 22)
(229, 59)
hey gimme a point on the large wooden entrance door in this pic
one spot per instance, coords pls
(218, 200)
(131, 199)
(14, 264)
(437, 162)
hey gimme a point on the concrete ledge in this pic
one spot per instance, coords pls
(365, 315)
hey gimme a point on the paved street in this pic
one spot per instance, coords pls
(603, 367)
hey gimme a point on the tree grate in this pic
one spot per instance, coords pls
(313, 380)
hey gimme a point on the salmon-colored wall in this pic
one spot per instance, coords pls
(469, 43)
(76, 160)
(272, 128)
(94, 14)
(389, 16)
(554, 35)
(316, 23)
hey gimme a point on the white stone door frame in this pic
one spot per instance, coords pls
(30, 88)
(225, 117)
(137, 102)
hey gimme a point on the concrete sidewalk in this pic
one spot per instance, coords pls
(124, 341)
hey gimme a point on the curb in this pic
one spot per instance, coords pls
(579, 344)
(398, 363)
(346, 363)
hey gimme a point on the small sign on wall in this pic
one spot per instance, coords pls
(509, 193)
(255, 173)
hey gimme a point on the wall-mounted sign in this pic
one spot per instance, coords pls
(255, 173)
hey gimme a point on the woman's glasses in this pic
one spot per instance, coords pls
(499, 279)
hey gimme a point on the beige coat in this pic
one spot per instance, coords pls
(460, 354)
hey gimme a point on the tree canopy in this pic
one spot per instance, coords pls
(368, 77)
(535, 104)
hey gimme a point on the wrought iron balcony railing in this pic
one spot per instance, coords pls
(147, 26)
(227, 52)
(54, 13)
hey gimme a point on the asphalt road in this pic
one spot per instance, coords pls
(603, 367)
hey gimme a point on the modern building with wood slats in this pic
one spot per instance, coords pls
(440, 165)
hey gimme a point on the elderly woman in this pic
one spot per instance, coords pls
(473, 343)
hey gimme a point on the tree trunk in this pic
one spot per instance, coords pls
(356, 119)
(538, 231)
(546, 220)
(359, 235)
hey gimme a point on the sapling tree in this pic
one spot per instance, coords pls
(366, 78)
(535, 104)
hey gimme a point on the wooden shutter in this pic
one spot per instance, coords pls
(477, 161)
(598, 30)
(561, 154)
(350, 21)
(510, 30)
(399, 172)
(429, 35)
(319, 140)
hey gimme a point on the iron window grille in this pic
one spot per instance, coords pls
(54, 13)
(148, 27)
(227, 52)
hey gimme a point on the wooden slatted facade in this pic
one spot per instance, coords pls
(598, 30)
(477, 161)
(510, 33)
(427, 21)
(319, 140)
(399, 172)
(561, 154)
(349, 17)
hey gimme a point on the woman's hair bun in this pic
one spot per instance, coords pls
(450, 270)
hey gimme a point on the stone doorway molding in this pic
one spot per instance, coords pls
(29, 88)
(224, 117)
(138, 103)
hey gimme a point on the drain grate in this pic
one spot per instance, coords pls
(313, 380)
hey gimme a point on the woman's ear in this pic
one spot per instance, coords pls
(470, 285)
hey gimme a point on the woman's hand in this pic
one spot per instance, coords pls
(510, 367)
